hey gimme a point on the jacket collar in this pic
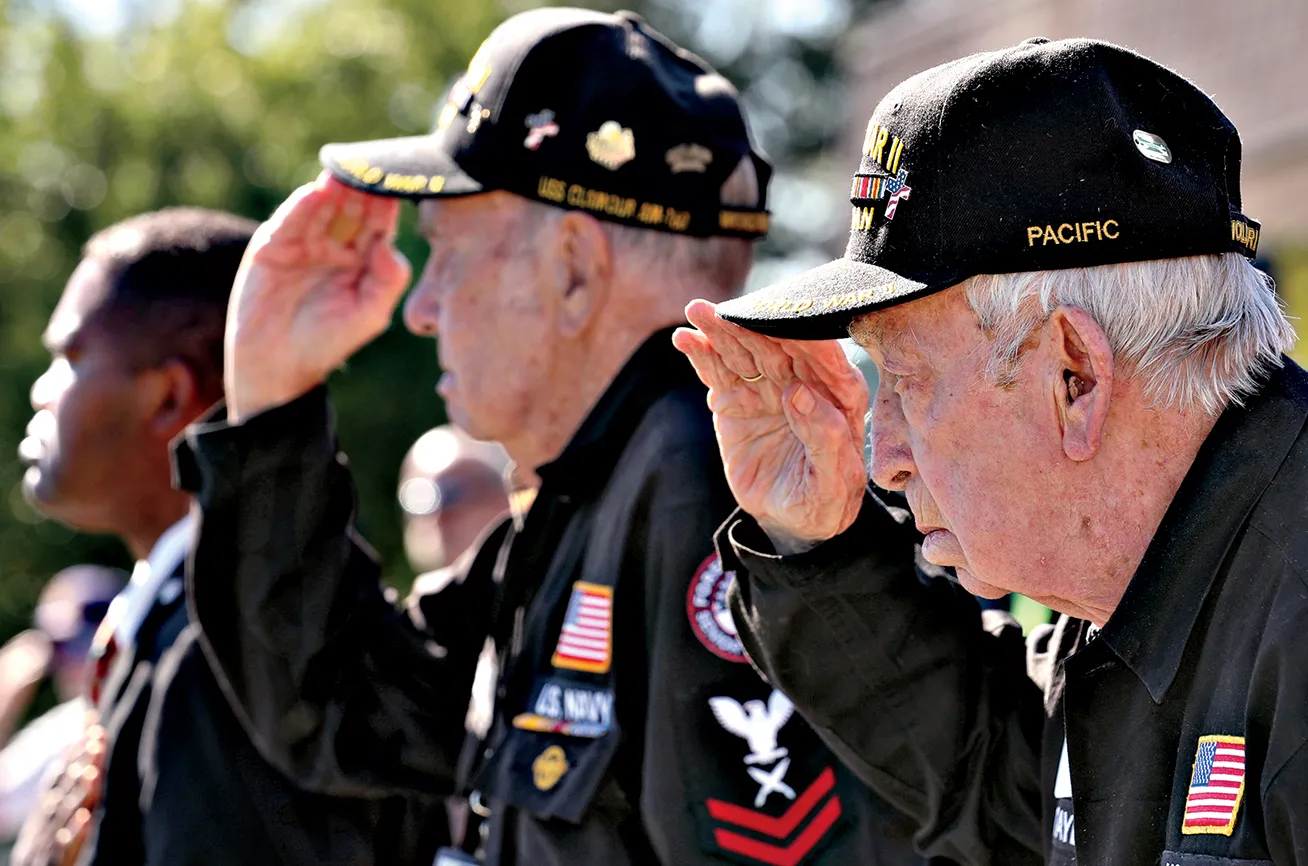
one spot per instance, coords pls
(589, 457)
(165, 560)
(1239, 459)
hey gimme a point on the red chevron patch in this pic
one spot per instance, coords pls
(816, 824)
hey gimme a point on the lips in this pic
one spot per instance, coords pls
(31, 450)
(941, 547)
(41, 429)
(925, 515)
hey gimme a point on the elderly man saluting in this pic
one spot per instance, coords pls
(585, 181)
(1084, 399)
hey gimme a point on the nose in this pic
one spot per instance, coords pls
(50, 384)
(422, 308)
(892, 458)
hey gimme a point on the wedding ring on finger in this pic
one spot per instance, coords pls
(752, 378)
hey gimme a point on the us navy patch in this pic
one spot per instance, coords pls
(562, 707)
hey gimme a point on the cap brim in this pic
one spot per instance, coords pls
(412, 167)
(820, 303)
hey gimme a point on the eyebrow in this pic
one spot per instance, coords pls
(426, 224)
(899, 344)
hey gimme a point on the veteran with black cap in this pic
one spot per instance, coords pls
(1084, 398)
(585, 181)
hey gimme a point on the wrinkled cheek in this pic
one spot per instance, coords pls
(956, 459)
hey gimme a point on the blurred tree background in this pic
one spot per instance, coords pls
(113, 107)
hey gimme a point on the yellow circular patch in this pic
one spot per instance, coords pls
(549, 767)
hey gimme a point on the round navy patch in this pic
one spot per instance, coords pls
(710, 618)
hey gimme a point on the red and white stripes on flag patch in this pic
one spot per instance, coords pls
(586, 639)
(1216, 786)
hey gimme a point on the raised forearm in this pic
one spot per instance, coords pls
(336, 687)
(898, 676)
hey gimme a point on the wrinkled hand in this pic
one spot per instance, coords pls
(320, 279)
(57, 829)
(791, 442)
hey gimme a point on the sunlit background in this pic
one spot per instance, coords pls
(111, 107)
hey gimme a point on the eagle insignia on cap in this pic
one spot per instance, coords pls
(612, 145)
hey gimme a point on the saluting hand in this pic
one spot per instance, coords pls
(792, 439)
(320, 279)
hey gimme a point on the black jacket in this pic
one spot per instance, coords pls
(1193, 694)
(184, 786)
(627, 726)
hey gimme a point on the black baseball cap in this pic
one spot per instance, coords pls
(583, 110)
(1043, 156)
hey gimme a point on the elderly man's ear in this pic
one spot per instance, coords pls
(585, 270)
(1082, 386)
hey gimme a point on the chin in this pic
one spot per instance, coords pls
(465, 421)
(485, 423)
(978, 588)
(36, 490)
(43, 494)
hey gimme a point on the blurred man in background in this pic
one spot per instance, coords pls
(451, 488)
(585, 180)
(69, 610)
(167, 776)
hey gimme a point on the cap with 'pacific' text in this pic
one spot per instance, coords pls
(1043, 156)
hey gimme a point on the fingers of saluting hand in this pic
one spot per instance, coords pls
(378, 220)
(306, 213)
(821, 364)
(708, 364)
(840, 381)
(326, 223)
(360, 218)
(746, 354)
(383, 281)
(818, 424)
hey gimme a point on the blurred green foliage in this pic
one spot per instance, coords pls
(224, 103)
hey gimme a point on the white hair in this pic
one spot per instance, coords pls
(1199, 332)
(673, 265)
(680, 265)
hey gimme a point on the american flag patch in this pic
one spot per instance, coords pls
(1216, 786)
(586, 640)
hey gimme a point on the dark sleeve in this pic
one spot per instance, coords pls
(336, 687)
(898, 676)
(1286, 822)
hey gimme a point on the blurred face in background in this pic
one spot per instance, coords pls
(71, 606)
(83, 445)
(483, 295)
(450, 489)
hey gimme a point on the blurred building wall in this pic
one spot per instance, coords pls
(1249, 57)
